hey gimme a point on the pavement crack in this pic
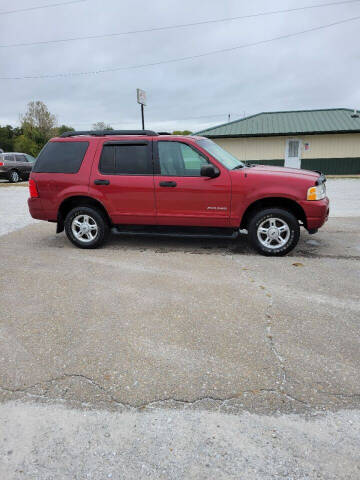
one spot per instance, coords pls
(272, 345)
(49, 382)
(159, 402)
(342, 395)
(269, 338)
(221, 401)
(283, 382)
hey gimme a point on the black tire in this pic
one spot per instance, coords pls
(96, 218)
(274, 218)
(14, 176)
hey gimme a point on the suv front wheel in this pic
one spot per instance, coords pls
(86, 227)
(274, 231)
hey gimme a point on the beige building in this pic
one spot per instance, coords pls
(326, 140)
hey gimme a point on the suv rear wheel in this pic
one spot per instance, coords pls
(14, 176)
(274, 231)
(86, 227)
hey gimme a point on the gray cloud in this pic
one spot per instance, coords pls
(316, 70)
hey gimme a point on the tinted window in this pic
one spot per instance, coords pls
(180, 160)
(20, 158)
(9, 158)
(61, 157)
(126, 159)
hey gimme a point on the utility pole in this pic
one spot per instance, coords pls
(142, 117)
(229, 117)
(141, 99)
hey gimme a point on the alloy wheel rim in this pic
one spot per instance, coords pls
(84, 228)
(273, 233)
(15, 176)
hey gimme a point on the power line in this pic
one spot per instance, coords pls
(169, 27)
(27, 9)
(180, 59)
(115, 122)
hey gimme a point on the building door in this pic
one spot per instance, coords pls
(293, 153)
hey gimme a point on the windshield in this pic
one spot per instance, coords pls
(224, 157)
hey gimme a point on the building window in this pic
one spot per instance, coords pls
(293, 148)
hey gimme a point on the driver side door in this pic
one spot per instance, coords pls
(183, 196)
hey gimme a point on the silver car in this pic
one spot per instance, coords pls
(15, 166)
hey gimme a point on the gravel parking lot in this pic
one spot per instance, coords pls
(172, 359)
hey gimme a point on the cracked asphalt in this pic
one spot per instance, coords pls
(203, 333)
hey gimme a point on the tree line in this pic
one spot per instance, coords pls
(37, 126)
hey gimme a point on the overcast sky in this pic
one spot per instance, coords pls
(320, 69)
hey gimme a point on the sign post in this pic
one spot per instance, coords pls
(141, 99)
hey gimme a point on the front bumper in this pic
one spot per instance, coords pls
(316, 212)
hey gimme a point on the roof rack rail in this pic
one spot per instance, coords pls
(102, 133)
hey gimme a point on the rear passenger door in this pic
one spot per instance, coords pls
(10, 160)
(23, 164)
(122, 179)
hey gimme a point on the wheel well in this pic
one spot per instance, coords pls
(277, 202)
(73, 202)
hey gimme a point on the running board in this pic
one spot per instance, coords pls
(178, 233)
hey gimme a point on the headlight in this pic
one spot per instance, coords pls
(316, 193)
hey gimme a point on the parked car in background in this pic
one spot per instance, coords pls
(16, 166)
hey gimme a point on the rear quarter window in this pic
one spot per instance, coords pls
(61, 157)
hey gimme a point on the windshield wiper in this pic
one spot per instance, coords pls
(238, 166)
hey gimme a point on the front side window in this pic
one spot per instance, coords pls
(180, 160)
(29, 158)
(21, 158)
(126, 159)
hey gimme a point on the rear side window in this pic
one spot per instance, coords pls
(61, 157)
(126, 159)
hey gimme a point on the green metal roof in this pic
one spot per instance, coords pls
(332, 120)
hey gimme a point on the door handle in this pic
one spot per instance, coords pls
(167, 184)
(101, 182)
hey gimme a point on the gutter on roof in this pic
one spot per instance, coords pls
(239, 120)
(279, 134)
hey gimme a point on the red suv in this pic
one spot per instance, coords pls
(142, 182)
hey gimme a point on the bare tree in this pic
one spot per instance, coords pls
(38, 119)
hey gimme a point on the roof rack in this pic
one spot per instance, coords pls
(102, 133)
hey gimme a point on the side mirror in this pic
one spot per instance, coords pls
(209, 171)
